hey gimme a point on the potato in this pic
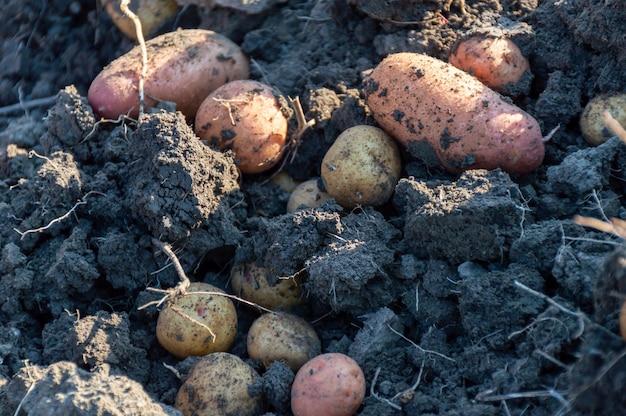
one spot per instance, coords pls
(495, 61)
(362, 167)
(284, 181)
(417, 98)
(151, 13)
(330, 384)
(591, 124)
(247, 117)
(249, 281)
(282, 337)
(218, 385)
(183, 337)
(307, 195)
(183, 66)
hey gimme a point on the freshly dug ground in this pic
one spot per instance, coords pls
(469, 294)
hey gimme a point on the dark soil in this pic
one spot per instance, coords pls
(470, 294)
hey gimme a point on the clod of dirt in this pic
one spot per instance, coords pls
(481, 207)
(180, 188)
(64, 389)
(95, 341)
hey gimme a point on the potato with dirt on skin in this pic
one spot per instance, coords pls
(307, 195)
(494, 60)
(362, 167)
(178, 326)
(183, 67)
(151, 14)
(421, 99)
(249, 282)
(330, 384)
(282, 337)
(247, 117)
(218, 385)
(591, 122)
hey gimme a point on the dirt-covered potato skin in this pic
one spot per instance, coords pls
(495, 61)
(247, 117)
(183, 67)
(330, 384)
(591, 123)
(218, 385)
(307, 195)
(282, 337)
(362, 167)
(417, 98)
(151, 14)
(249, 282)
(183, 337)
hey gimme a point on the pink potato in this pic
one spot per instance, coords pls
(183, 67)
(249, 118)
(417, 98)
(496, 61)
(330, 384)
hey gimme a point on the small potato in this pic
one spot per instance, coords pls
(362, 167)
(591, 124)
(183, 67)
(183, 337)
(282, 337)
(330, 384)
(285, 181)
(247, 117)
(249, 281)
(307, 195)
(151, 13)
(218, 385)
(496, 61)
(417, 98)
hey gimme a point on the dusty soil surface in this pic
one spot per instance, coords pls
(469, 294)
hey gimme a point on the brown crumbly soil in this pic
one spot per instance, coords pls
(469, 294)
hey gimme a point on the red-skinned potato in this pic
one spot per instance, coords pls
(249, 282)
(247, 117)
(496, 61)
(218, 385)
(183, 337)
(151, 14)
(183, 67)
(282, 337)
(330, 384)
(362, 167)
(417, 98)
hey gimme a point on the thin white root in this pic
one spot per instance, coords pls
(144, 52)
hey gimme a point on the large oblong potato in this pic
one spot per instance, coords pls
(218, 385)
(417, 98)
(362, 167)
(178, 330)
(247, 117)
(183, 67)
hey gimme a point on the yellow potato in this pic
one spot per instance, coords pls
(362, 167)
(282, 337)
(307, 195)
(591, 123)
(250, 283)
(218, 385)
(151, 13)
(178, 333)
